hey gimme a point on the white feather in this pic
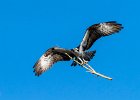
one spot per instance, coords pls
(105, 28)
(46, 62)
(84, 42)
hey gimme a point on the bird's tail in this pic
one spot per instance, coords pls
(87, 56)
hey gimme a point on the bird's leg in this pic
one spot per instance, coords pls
(75, 60)
(84, 61)
(78, 62)
(98, 74)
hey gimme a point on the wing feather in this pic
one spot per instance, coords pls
(47, 60)
(96, 31)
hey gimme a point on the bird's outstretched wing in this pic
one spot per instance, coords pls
(50, 57)
(96, 31)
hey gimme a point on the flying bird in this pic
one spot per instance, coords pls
(79, 55)
(94, 33)
(56, 54)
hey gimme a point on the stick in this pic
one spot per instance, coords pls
(77, 62)
(73, 59)
(89, 68)
(98, 74)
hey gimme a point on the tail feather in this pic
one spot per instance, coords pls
(90, 54)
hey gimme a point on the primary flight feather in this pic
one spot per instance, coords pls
(97, 31)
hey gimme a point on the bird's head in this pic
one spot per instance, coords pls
(75, 49)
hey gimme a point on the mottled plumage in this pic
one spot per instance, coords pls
(50, 57)
(97, 31)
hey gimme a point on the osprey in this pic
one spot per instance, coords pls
(79, 55)
(95, 32)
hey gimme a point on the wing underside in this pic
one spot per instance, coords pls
(96, 31)
(50, 57)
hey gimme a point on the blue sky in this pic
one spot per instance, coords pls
(30, 27)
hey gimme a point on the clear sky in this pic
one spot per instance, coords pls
(29, 27)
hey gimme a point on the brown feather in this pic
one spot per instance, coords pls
(96, 31)
(50, 57)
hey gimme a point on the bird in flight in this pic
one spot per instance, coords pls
(79, 55)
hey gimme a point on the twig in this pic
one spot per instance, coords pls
(89, 68)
